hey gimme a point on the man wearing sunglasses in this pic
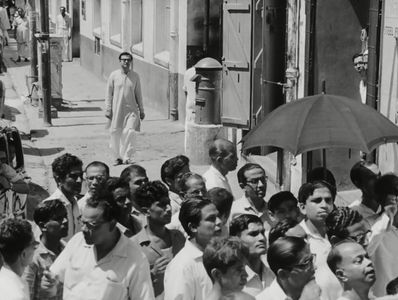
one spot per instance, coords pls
(100, 262)
(124, 109)
(68, 174)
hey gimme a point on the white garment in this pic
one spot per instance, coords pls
(175, 202)
(185, 277)
(273, 292)
(243, 206)
(324, 277)
(124, 101)
(12, 286)
(189, 88)
(255, 285)
(72, 210)
(81, 203)
(121, 275)
(213, 178)
(352, 295)
(63, 26)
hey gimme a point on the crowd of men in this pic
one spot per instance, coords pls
(189, 238)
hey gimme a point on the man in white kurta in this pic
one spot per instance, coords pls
(63, 26)
(124, 108)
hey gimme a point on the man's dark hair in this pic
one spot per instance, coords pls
(114, 183)
(243, 169)
(277, 199)
(334, 257)
(307, 189)
(321, 174)
(15, 236)
(338, 221)
(150, 192)
(63, 164)
(279, 229)
(191, 212)
(392, 287)
(98, 164)
(384, 186)
(359, 172)
(284, 253)
(241, 223)
(126, 173)
(172, 167)
(104, 201)
(222, 199)
(223, 253)
(46, 210)
(125, 53)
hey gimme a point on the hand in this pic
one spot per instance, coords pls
(391, 210)
(311, 291)
(142, 115)
(108, 115)
(160, 265)
(49, 283)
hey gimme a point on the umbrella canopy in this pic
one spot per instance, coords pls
(322, 121)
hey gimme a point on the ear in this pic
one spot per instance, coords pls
(341, 275)
(301, 206)
(334, 239)
(112, 225)
(192, 227)
(42, 226)
(145, 210)
(168, 181)
(283, 274)
(242, 185)
(216, 275)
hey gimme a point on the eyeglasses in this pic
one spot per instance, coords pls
(98, 177)
(90, 226)
(256, 181)
(305, 265)
(125, 60)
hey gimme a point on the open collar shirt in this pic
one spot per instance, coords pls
(185, 277)
(43, 258)
(273, 292)
(123, 274)
(213, 178)
(255, 285)
(72, 210)
(243, 206)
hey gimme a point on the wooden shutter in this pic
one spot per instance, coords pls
(235, 104)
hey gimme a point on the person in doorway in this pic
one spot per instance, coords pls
(63, 26)
(21, 26)
(125, 109)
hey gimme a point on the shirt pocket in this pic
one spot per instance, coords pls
(113, 288)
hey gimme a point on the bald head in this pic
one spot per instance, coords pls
(223, 155)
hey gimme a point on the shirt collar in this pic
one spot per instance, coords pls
(218, 173)
(277, 292)
(120, 249)
(310, 233)
(61, 196)
(192, 250)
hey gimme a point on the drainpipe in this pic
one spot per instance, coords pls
(173, 61)
(34, 72)
(206, 28)
(125, 38)
(292, 72)
(373, 60)
(310, 56)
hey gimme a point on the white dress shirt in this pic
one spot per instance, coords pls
(185, 277)
(213, 178)
(72, 210)
(273, 292)
(324, 277)
(243, 206)
(123, 274)
(12, 286)
(255, 285)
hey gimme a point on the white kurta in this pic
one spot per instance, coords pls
(63, 27)
(124, 100)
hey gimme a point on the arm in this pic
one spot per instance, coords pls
(109, 97)
(140, 285)
(30, 275)
(138, 97)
